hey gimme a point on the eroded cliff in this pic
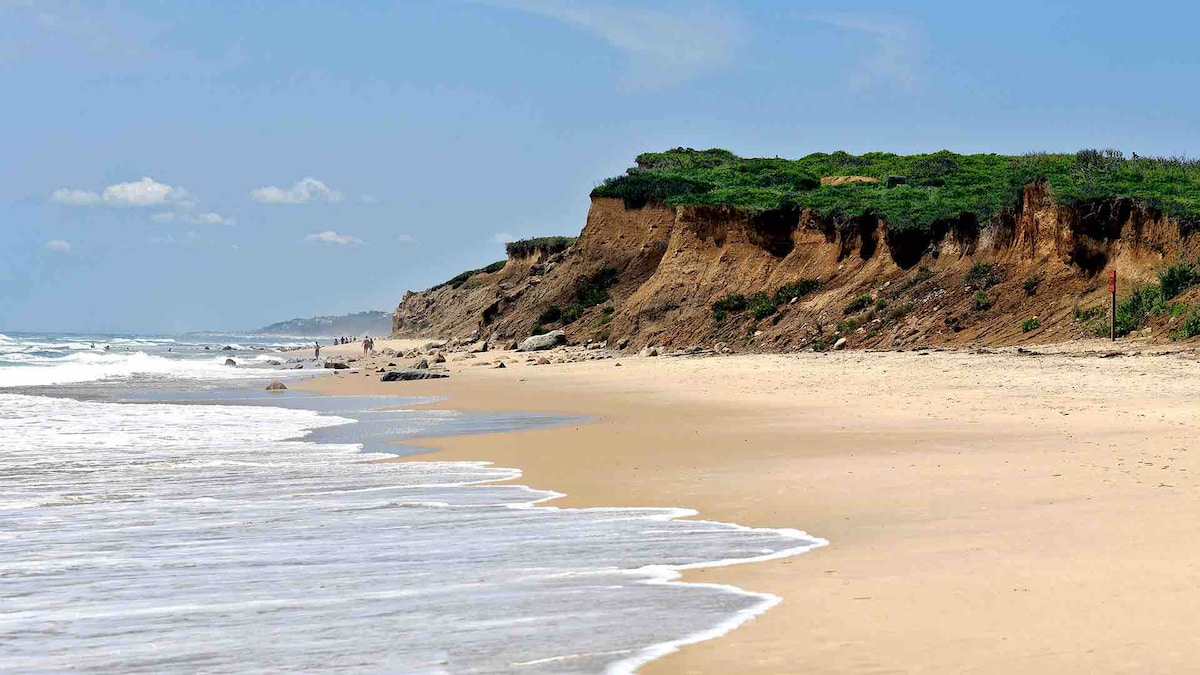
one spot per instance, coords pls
(958, 283)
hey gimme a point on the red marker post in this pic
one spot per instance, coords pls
(1112, 288)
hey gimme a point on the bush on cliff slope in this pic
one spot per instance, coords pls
(942, 186)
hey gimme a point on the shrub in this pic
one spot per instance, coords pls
(847, 325)
(873, 334)
(858, 304)
(981, 301)
(1089, 313)
(796, 289)
(1135, 310)
(462, 278)
(572, 313)
(734, 302)
(539, 330)
(546, 245)
(1176, 278)
(1030, 324)
(551, 314)
(942, 187)
(1031, 284)
(592, 290)
(1191, 325)
(719, 315)
(880, 304)
(899, 312)
(762, 306)
(983, 274)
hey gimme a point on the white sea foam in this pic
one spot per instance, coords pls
(152, 538)
(89, 366)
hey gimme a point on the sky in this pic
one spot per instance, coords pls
(180, 166)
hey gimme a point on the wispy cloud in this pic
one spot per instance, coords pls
(369, 199)
(209, 218)
(139, 193)
(302, 191)
(663, 47)
(406, 239)
(59, 245)
(895, 56)
(331, 237)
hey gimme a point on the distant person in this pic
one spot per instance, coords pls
(366, 345)
(316, 349)
(106, 347)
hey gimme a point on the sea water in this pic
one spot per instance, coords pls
(222, 537)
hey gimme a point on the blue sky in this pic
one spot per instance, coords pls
(172, 166)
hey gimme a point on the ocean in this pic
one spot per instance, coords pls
(161, 513)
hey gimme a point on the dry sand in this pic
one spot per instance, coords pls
(986, 512)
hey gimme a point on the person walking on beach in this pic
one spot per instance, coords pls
(316, 349)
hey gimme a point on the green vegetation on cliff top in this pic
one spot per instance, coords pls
(546, 245)
(941, 187)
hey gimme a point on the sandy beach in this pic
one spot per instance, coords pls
(987, 512)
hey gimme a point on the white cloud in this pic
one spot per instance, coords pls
(662, 47)
(164, 217)
(75, 197)
(207, 219)
(302, 191)
(146, 192)
(331, 237)
(897, 46)
(406, 239)
(369, 199)
(58, 245)
(139, 193)
(503, 238)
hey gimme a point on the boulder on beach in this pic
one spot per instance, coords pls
(226, 348)
(423, 364)
(410, 374)
(336, 365)
(479, 347)
(276, 385)
(230, 362)
(549, 340)
(439, 358)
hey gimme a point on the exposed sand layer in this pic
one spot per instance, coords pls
(987, 512)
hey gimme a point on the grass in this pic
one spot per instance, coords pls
(1030, 324)
(545, 245)
(942, 187)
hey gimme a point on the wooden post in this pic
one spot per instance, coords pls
(1112, 287)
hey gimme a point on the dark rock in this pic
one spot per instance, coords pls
(501, 365)
(230, 362)
(439, 358)
(423, 364)
(336, 365)
(226, 348)
(404, 375)
(276, 385)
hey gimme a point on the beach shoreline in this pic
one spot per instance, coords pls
(1002, 507)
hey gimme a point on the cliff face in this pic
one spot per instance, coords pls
(878, 287)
